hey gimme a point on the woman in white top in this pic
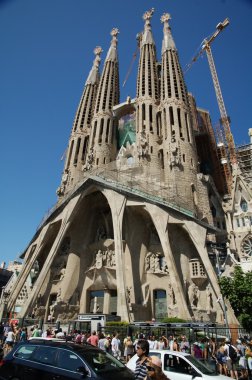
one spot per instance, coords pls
(9, 341)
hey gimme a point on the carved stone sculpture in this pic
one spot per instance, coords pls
(193, 294)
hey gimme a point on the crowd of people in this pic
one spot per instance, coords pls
(231, 359)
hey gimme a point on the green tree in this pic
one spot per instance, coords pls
(238, 290)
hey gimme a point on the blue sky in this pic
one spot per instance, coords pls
(46, 52)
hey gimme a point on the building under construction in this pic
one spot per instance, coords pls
(140, 204)
(244, 156)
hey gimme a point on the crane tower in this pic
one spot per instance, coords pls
(226, 146)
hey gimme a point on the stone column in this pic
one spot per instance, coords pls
(117, 204)
(70, 282)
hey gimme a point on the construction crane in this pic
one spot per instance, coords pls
(138, 38)
(224, 119)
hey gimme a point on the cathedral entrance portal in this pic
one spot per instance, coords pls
(103, 301)
(96, 301)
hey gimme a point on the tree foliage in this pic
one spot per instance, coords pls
(238, 290)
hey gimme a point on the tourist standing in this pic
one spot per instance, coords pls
(142, 350)
(129, 349)
(115, 346)
(93, 339)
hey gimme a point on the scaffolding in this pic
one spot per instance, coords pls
(244, 157)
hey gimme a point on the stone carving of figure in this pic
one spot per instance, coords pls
(90, 159)
(96, 306)
(113, 261)
(209, 295)
(152, 263)
(51, 311)
(62, 273)
(143, 147)
(34, 271)
(58, 299)
(247, 221)
(109, 258)
(193, 293)
(98, 259)
(156, 263)
(128, 294)
(171, 295)
(147, 262)
(164, 267)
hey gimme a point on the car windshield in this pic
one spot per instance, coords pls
(101, 361)
(201, 366)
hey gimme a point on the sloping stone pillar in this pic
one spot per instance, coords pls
(26, 269)
(53, 251)
(198, 235)
(117, 204)
(160, 219)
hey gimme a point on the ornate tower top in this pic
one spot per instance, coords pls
(112, 53)
(147, 34)
(92, 77)
(168, 42)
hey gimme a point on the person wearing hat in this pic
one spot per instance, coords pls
(154, 369)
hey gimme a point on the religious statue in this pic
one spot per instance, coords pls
(193, 293)
(99, 259)
(209, 305)
(90, 159)
(143, 146)
(128, 294)
(96, 306)
(34, 272)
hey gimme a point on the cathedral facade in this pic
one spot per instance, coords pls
(136, 216)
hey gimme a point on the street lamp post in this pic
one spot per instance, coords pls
(222, 301)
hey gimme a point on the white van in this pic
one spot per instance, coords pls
(181, 366)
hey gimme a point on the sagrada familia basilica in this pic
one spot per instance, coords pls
(139, 218)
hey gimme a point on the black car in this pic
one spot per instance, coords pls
(53, 360)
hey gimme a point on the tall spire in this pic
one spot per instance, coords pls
(102, 144)
(79, 139)
(93, 76)
(178, 141)
(168, 42)
(147, 96)
(147, 37)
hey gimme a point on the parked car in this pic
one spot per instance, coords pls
(181, 366)
(39, 359)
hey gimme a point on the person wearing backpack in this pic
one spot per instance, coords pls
(232, 360)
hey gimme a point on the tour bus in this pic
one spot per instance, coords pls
(92, 322)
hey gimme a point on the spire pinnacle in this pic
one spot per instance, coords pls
(147, 34)
(92, 77)
(148, 15)
(112, 53)
(168, 42)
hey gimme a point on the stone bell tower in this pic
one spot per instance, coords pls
(147, 98)
(79, 139)
(179, 150)
(102, 144)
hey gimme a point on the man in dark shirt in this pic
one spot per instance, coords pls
(142, 350)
